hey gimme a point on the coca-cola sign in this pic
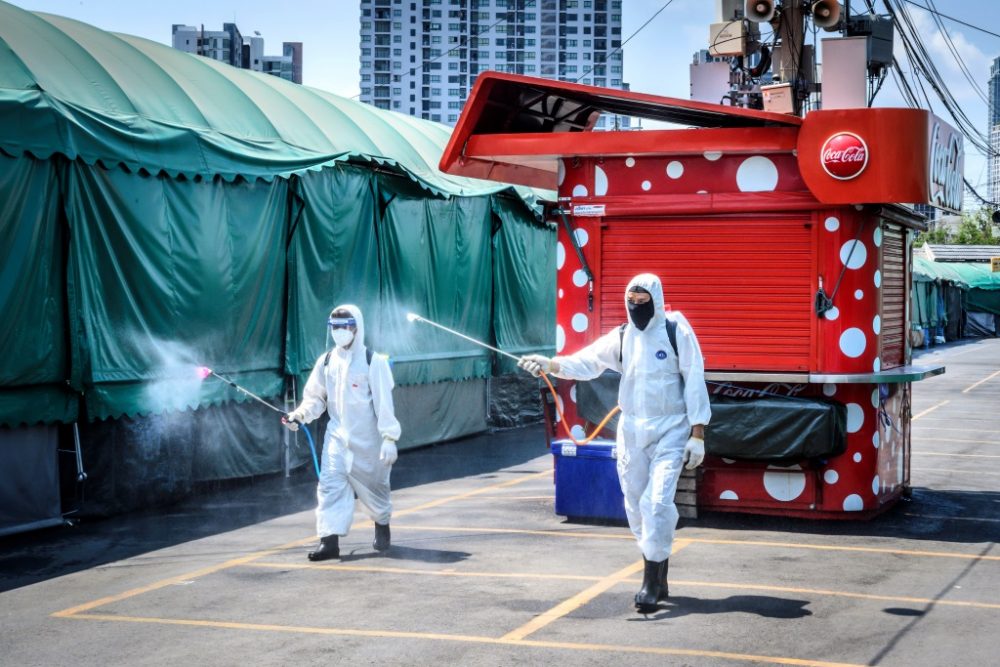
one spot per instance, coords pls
(844, 156)
(946, 168)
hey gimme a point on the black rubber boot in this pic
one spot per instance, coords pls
(381, 542)
(648, 597)
(664, 593)
(329, 547)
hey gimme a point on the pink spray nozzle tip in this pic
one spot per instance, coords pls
(204, 372)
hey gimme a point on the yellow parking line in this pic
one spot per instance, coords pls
(950, 518)
(976, 384)
(930, 409)
(473, 639)
(243, 560)
(758, 543)
(958, 472)
(969, 456)
(631, 580)
(423, 571)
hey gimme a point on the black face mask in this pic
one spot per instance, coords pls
(640, 314)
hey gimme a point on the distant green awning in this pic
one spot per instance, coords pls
(966, 274)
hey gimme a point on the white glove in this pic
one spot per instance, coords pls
(389, 453)
(292, 421)
(694, 453)
(535, 364)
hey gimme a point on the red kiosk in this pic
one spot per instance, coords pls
(780, 238)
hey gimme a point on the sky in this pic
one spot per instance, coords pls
(656, 59)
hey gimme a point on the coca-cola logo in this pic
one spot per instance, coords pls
(844, 156)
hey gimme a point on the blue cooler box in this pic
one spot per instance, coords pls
(587, 484)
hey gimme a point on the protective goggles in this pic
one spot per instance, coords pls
(342, 323)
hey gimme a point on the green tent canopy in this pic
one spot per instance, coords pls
(117, 99)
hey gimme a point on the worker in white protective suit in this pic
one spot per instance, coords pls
(354, 386)
(664, 410)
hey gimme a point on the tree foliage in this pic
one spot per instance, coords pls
(976, 228)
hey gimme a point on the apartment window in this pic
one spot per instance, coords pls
(397, 39)
(396, 104)
(435, 92)
(366, 38)
(454, 105)
(397, 91)
(529, 69)
(366, 52)
(454, 92)
(397, 52)
(436, 117)
(615, 83)
(435, 78)
(452, 118)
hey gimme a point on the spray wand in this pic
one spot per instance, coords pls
(205, 371)
(413, 317)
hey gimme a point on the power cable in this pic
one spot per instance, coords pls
(622, 45)
(952, 18)
(958, 58)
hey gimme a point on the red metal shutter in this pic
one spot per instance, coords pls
(893, 296)
(745, 284)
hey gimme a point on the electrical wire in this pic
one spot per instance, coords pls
(954, 52)
(627, 40)
(952, 18)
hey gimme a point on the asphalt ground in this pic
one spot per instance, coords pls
(482, 572)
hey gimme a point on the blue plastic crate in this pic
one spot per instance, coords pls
(587, 484)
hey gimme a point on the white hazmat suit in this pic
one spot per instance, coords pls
(661, 395)
(362, 427)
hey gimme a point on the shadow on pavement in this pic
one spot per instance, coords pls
(760, 605)
(28, 558)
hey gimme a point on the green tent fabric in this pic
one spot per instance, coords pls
(154, 264)
(118, 99)
(34, 358)
(435, 258)
(332, 258)
(524, 263)
(968, 275)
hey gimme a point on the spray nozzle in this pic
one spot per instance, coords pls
(203, 372)
(412, 317)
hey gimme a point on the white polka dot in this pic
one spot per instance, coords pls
(600, 182)
(630, 162)
(579, 322)
(877, 365)
(858, 294)
(857, 258)
(559, 403)
(874, 398)
(572, 393)
(579, 278)
(757, 174)
(675, 169)
(578, 432)
(877, 325)
(702, 192)
(560, 172)
(875, 485)
(560, 255)
(832, 314)
(855, 417)
(560, 292)
(712, 156)
(852, 342)
(581, 236)
(831, 476)
(782, 485)
(729, 461)
(829, 389)
(579, 190)
(646, 185)
(877, 237)
(560, 338)
(857, 457)
(875, 440)
(878, 279)
(832, 224)
(728, 495)
(853, 503)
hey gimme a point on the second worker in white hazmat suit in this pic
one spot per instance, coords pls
(664, 410)
(354, 387)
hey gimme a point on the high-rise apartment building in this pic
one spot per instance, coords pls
(994, 131)
(421, 57)
(229, 46)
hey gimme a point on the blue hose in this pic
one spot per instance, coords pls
(312, 448)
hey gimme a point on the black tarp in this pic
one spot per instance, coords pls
(764, 428)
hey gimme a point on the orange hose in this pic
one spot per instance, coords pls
(562, 416)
